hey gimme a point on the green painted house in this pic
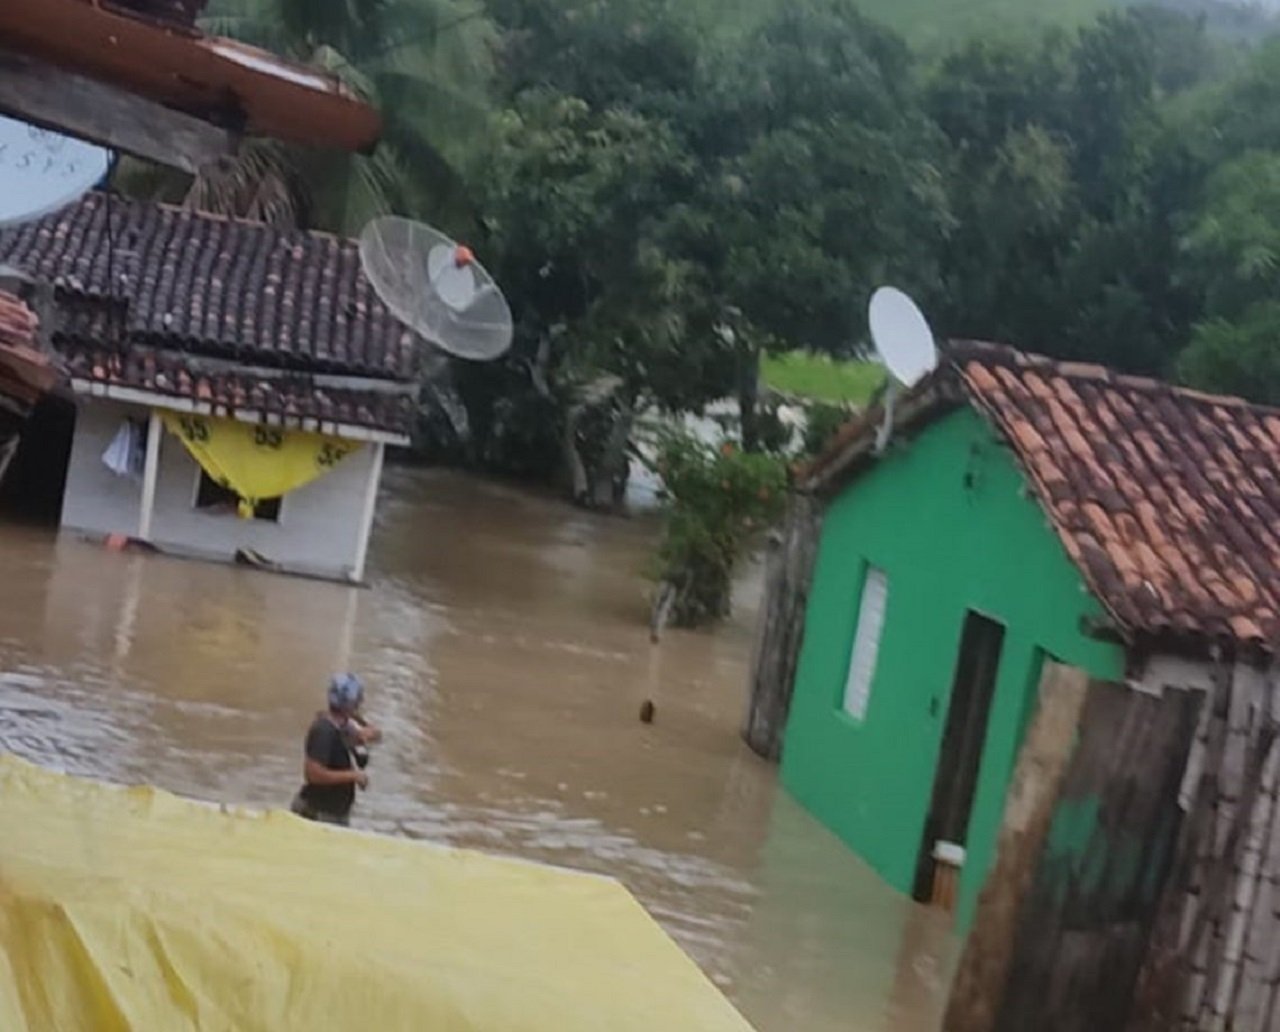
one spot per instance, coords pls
(1023, 509)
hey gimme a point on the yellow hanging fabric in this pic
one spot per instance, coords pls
(254, 460)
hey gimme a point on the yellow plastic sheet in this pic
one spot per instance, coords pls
(254, 460)
(133, 909)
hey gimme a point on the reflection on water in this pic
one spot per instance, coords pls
(506, 644)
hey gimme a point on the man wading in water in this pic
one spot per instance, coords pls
(336, 754)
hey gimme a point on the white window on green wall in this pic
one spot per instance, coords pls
(866, 642)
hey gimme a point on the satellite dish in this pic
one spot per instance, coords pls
(42, 171)
(436, 287)
(902, 336)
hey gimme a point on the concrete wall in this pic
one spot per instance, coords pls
(320, 523)
(947, 517)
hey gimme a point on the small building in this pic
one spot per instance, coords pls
(1023, 510)
(235, 385)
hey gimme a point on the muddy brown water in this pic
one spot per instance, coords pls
(505, 640)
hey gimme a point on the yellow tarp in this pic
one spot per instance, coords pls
(133, 909)
(254, 460)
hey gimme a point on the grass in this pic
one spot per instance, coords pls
(821, 378)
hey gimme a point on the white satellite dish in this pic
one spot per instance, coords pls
(42, 171)
(902, 336)
(435, 286)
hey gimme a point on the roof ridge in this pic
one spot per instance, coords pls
(217, 284)
(963, 350)
(216, 216)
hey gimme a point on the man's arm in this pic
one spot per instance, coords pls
(368, 733)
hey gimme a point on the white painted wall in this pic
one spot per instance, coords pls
(96, 500)
(320, 524)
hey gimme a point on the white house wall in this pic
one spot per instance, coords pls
(96, 500)
(319, 528)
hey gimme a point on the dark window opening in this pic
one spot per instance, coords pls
(212, 497)
(33, 485)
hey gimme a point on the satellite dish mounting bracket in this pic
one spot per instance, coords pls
(885, 431)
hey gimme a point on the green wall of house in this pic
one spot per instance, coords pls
(948, 519)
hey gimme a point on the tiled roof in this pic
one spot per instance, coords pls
(1166, 499)
(217, 286)
(295, 400)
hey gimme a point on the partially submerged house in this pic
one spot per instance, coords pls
(1023, 510)
(235, 384)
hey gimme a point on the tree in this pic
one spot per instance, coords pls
(718, 500)
(1069, 184)
(1237, 356)
(607, 318)
(1233, 247)
(427, 64)
(818, 177)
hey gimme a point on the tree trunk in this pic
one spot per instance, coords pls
(749, 397)
(780, 631)
(612, 467)
(596, 445)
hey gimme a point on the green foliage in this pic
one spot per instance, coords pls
(821, 377)
(718, 500)
(823, 419)
(1233, 247)
(1238, 357)
(674, 196)
(426, 64)
(664, 213)
(1072, 181)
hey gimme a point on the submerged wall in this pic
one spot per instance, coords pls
(318, 531)
(947, 517)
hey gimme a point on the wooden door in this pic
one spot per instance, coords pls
(960, 755)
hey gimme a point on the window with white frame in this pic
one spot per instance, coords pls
(866, 642)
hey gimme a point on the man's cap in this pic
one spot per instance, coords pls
(345, 692)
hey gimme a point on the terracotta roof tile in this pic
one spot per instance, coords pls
(201, 283)
(1173, 496)
(235, 390)
(1166, 499)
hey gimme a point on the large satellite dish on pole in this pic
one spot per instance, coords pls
(42, 171)
(435, 286)
(905, 345)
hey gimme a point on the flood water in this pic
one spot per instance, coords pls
(505, 641)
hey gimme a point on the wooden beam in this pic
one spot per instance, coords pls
(105, 115)
(780, 630)
(979, 984)
(216, 79)
(1065, 920)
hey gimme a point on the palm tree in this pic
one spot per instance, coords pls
(426, 64)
